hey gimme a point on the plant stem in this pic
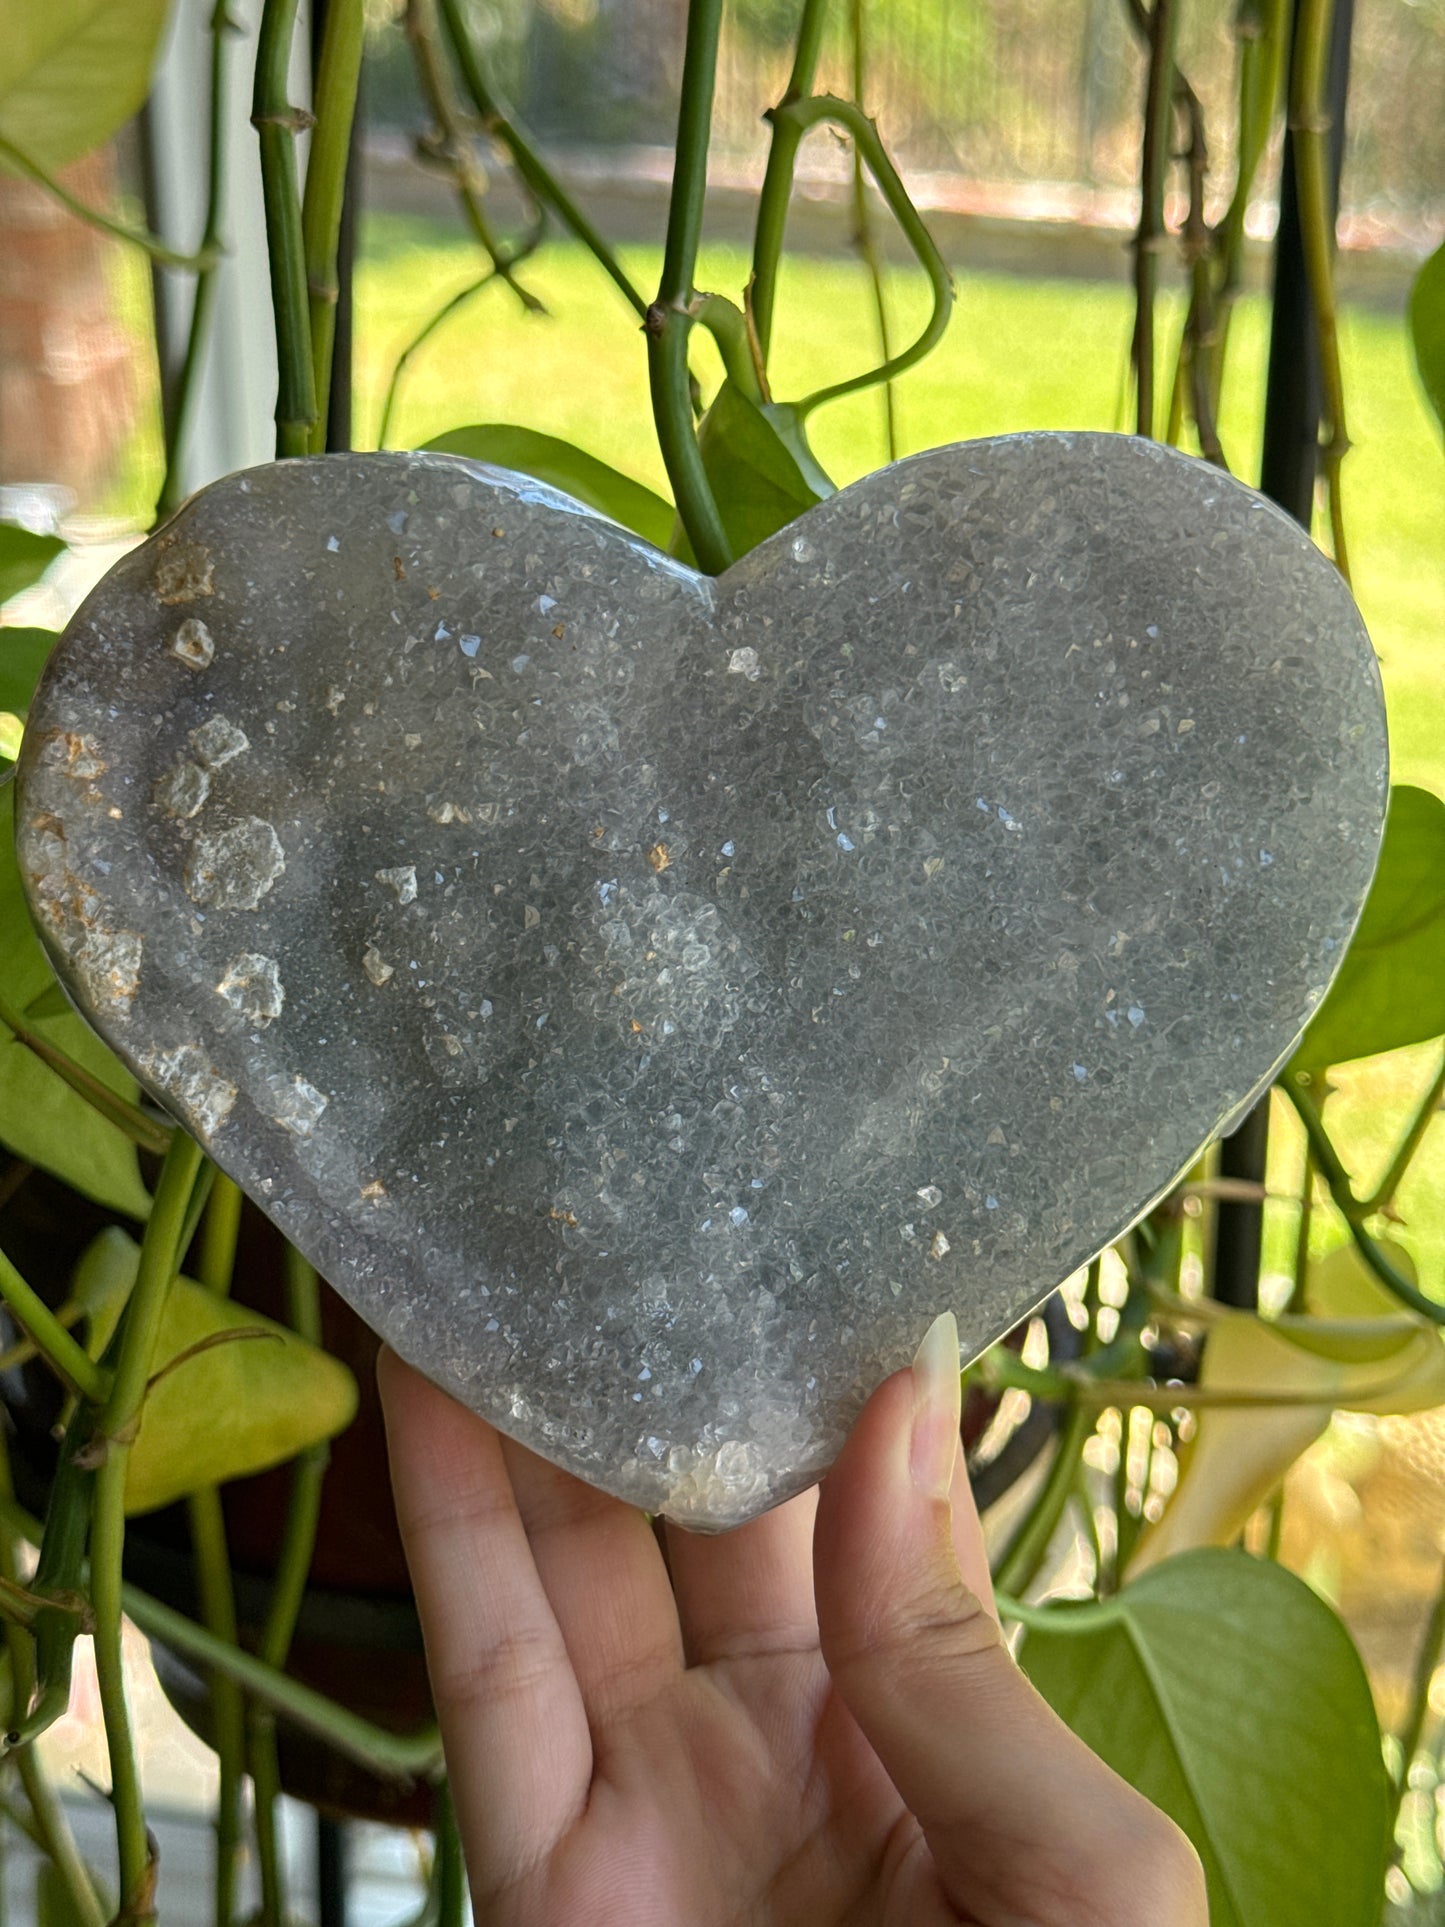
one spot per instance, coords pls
(670, 386)
(303, 1306)
(57, 1841)
(1425, 1114)
(1085, 1501)
(277, 122)
(338, 75)
(265, 1795)
(196, 1207)
(24, 1349)
(419, 340)
(70, 1360)
(1432, 1645)
(1025, 1552)
(689, 180)
(1059, 1612)
(777, 188)
(60, 1576)
(1074, 1385)
(218, 1236)
(21, 1821)
(1263, 40)
(211, 1560)
(401, 1757)
(1274, 1524)
(1149, 240)
(508, 131)
(454, 148)
(298, 1543)
(669, 319)
(863, 233)
(1201, 323)
(843, 113)
(228, 1715)
(449, 1871)
(160, 1257)
(1299, 1290)
(727, 325)
(52, 1829)
(203, 302)
(100, 1097)
(142, 238)
(395, 1756)
(1337, 1181)
(1310, 126)
(1193, 370)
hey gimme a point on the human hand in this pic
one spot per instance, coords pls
(813, 1719)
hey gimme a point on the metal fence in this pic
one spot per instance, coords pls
(984, 90)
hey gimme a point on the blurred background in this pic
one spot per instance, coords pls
(1016, 124)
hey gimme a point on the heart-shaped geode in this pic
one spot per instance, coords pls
(650, 999)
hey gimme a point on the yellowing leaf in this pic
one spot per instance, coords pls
(1343, 1286)
(72, 72)
(1383, 1361)
(229, 1410)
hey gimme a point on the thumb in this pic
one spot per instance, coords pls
(1020, 1817)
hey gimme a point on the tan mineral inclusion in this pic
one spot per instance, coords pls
(692, 987)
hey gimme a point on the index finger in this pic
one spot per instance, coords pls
(518, 1751)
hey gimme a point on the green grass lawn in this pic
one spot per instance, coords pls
(1020, 354)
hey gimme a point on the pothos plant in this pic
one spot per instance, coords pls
(1210, 1675)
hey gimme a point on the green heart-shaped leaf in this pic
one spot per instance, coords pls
(1391, 986)
(1229, 1694)
(23, 654)
(1427, 329)
(24, 558)
(762, 472)
(559, 463)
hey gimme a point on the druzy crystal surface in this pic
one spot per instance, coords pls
(651, 1000)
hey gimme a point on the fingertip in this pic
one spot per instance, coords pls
(968, 1540)
(878, 1440)
(389, 1372)
(874, 1456)
(409, 1402)
(874, 1525)
(434, 1444)
(400, 1383)
(870, 1490)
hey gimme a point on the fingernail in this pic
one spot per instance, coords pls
(937, 1395)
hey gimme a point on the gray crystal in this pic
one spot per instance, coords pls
(651, 1001)
(252, 984)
